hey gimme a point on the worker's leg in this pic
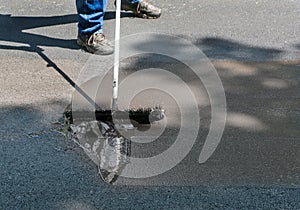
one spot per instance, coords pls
(90, 26)
(90, 16)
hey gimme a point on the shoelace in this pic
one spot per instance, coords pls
(96, 38)
(144, 5)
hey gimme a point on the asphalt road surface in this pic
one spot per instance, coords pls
(255, 49)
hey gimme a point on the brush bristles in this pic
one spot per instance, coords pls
(139, 115)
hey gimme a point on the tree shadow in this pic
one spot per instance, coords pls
(219, 48)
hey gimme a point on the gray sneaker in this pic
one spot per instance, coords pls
(142, 9)
(95, 43)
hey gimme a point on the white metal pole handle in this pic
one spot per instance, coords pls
(116, 56)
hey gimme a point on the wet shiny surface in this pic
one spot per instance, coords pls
(260, 143)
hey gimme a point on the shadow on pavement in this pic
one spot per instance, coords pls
(12, 29)
(219, 48)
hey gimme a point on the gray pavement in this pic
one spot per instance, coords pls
(255, 48)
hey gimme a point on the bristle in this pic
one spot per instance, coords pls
(143, 109)
(140, 115)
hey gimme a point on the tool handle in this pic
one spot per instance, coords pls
(116, 56)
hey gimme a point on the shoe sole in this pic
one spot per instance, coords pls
(142, 15)
(145, 16)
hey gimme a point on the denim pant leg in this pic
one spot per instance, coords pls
(133, 1)
(90, 16)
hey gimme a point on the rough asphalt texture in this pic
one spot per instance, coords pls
(256, 166)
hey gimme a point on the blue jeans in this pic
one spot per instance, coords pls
(91, 14)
